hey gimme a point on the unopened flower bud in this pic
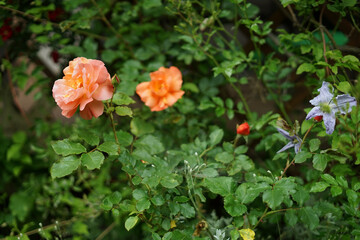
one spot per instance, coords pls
(318, 118)
(243, 129)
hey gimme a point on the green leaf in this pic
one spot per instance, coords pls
(109, 147)
(151, 3)
(349, 3)
(139, 127)
(125, 138)
(187, 210)
(90, 137)
(320, 161)
(288, 2)
(305, 67)
(290, 217)
(314, 144)
(115, 197)
(191, 87)
(80, 228)
(352, 196)
(344, 87)
(131, 222)
(247, 193)
(301, 195)
(65, 147)
(158, 200)
(106, 204)
(220, 185)
(319, 187)
(123, 111)
(302, 156)
(14, 151)
(342, 181)
(234, 206)
(151, 144)
(216, 136)
(273, 198)
(224, 157)
(65, 166)
(20, 205)
(329, 179)
(169, 181)
(143, 204)
(335, 191)
(308, 217)
(19, 137)
(139, 194)
(285, 185)
(166, 224)
(120, 98)
(92, 160)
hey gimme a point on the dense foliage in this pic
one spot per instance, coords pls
(187, 171)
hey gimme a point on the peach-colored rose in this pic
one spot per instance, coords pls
(86, 83)
(163, 90)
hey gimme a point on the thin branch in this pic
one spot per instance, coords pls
(111, 27)
(51, 226)
(106, 231)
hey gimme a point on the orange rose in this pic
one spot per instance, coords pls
(86, 83)
(163, 90)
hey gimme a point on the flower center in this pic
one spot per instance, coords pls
(325, 107)
(76, 83)
(159, 87)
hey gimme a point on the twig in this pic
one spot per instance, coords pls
(106, 231)
(106, 21)
(62, 223)
(296, 22)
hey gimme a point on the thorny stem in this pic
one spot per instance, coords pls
(15, 11)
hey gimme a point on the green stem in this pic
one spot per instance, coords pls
(262, 216)
(205, 151)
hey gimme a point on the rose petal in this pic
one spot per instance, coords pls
(92, 109)
(172, 98)
(104, 92)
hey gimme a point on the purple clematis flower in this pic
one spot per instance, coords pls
(295, 141)
(327, 106)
